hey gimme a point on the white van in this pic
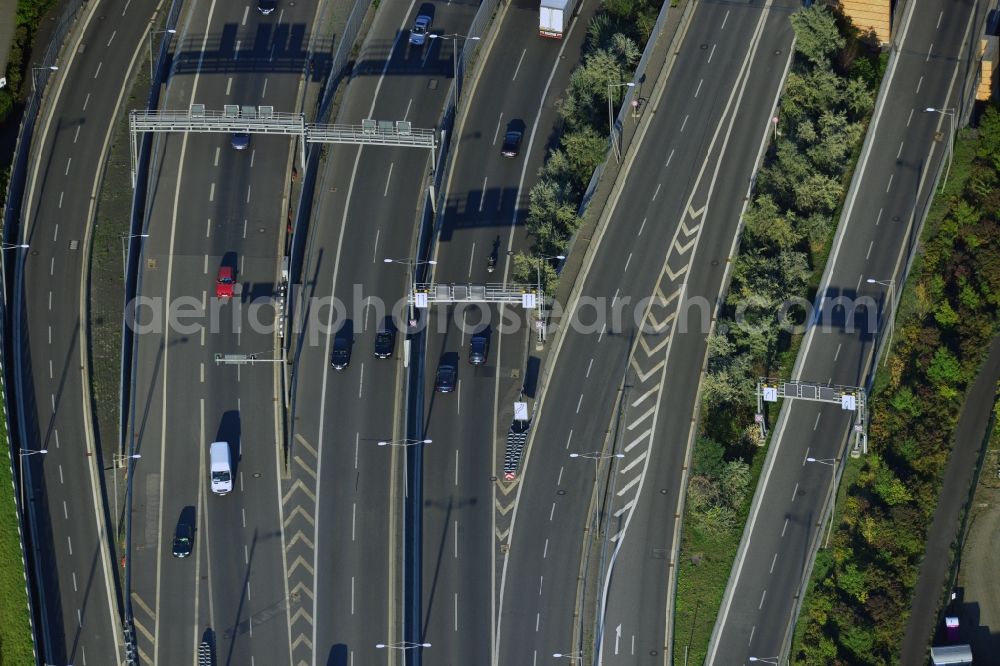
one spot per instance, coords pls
(221, 468)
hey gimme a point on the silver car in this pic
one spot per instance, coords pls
(418, 33)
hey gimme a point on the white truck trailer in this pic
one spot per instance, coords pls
(554, 17)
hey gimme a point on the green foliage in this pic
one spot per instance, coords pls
(855, 611)
(708, 458)
(16, 645)
(6, 104)
(816, 34)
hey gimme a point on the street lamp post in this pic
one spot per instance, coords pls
(10, 246)
(404, 442)
(611, 120)
(401, 645)
(832, 462)
(454, 53)
(153, 33)
(538, 289)
(951, 136)
(128, 237)
(764, 660)
(890, 284)
(572, 656)
(50, 68)
(120, 460)
(24, 454)
(412, 265)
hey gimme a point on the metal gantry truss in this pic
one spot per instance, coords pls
(850, 398)
(265, 120)
(528, 296)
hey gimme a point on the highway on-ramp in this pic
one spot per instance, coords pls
(210, 206)
(71, 548)
(880, 226)
(623, 377)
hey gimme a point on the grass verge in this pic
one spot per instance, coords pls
(16, 644)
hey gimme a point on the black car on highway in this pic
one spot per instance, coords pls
(385, 342)
(447, 376)
(183, 539)
(479, 347)
(511, 143)
(340, 357)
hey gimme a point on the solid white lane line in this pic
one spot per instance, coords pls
(354, 521)
(246, 554)
(879, 217)
(74, 582)
(65, 511)
(69, 544)
(578, 403)
(86, 101)
(552, 511)
(559, 479)
(667, 164)
(112, 37)
(870, 246)
(929, 50)
(657, 192)
(591, 364)
(795, 491)
(352, 595)
(456, 611)
(388, 179)
(909, 118)
(76, 135)
(684, 124)
(773, 560)
(456, 540)
(361, 382)
(545, 550)
(472, 255)
(900, 151)
(60, 205)
(248, 193)
(569, 438)
(50, 369)
(246, 11)
(724, 19)
(482, 197)
(838, 352)
(211, 192)
(627, 262)
(783, 527)
(218, 151)
(518, 68)
(456, 467)
(920, 82)
(69, 160)
(762, 595)
(98, 72)
(712, 53)
(889, 186)
(698, 89)
(642, 226)
(940, 16)
(55, 235)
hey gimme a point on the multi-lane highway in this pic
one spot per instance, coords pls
(880, 226)
(212, 206)
(485, 206)
(618, 390)
(343, 502)
(75, 566)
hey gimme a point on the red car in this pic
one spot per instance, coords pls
(225, 283)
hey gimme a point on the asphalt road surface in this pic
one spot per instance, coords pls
(74, 563)
(880, 226)
(486, 202)
(680, 202)
(212, 206)
(343, 503)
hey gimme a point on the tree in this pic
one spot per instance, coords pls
(735, 482)
(989, 137)
(766, 225)
(944, 370)
(709, 458)
(817, 37)
(818, 192)
(584, 150)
